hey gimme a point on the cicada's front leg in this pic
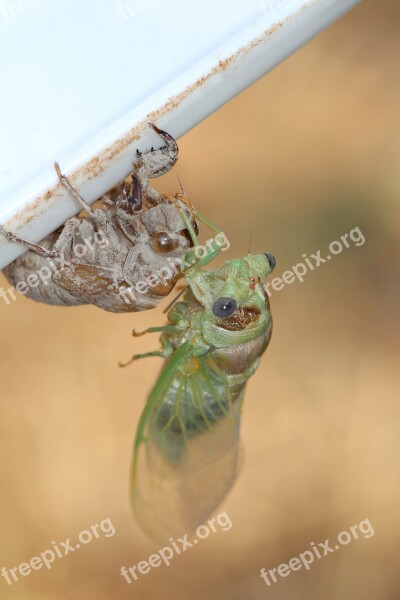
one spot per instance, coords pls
(156, 163)
(200, 255)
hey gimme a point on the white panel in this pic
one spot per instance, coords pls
(81, 78)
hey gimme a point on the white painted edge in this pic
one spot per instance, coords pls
(177, 108)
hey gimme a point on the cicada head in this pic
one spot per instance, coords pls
(237, 307)
(168, 236)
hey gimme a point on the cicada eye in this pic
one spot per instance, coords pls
(224, 307)
(163, 243)
(271, 260)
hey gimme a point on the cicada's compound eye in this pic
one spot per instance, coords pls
(224, 307)
(271, 260)
(162, 243)
(184, 233)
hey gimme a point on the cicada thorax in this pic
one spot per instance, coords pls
(240, 361)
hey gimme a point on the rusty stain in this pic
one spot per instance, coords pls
(98, 164)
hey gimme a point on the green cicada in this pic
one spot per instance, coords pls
(187, 443)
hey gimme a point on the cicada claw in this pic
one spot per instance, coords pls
(139, 333)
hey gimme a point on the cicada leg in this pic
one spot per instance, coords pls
(165, 351)
(68, 185)
(179, 294)
(11, 237)
(154, 164)
(206, 222)
(69, 226)
(153, 197)
(194, 263)
(160, 353)
(163, 329)
(65, 238)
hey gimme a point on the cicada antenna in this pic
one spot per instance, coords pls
(170, 305)
(250, 243)
(181, 186)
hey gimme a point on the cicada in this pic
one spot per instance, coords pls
(187, 443)
(119, 256)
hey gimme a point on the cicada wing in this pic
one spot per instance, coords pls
(84, 280)
(98, 285)
(187, 459)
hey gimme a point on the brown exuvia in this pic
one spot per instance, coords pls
(123, 256)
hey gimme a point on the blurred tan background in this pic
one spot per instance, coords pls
(301, 158)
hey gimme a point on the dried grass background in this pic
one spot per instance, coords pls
(305, 155)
